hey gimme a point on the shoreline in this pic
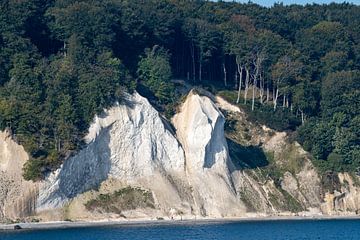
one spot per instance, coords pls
(141, 222)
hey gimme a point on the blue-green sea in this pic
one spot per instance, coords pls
(251, 230)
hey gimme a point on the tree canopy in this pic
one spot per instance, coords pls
(62, 61)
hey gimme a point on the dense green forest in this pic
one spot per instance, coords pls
(292, 67)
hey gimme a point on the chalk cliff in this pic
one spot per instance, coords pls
(190, 167)
(200, 129)
(132, 145)
(17, 196)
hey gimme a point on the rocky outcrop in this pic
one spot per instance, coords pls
(129, 142)
(17, 196)
(200, 129)
(133, 146)
(298, 189)
(185, 166)
(346, 200)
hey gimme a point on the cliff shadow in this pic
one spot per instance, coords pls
(246, 157)
(88, 169)
(216, 144)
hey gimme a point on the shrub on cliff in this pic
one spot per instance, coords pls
(154, 72)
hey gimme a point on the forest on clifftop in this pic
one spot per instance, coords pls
(292, 67)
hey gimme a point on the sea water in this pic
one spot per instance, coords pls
(251, 230)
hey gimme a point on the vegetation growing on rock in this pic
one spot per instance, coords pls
(128, 198)
(293, 67)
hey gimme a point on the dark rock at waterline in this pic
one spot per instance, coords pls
(17, 227)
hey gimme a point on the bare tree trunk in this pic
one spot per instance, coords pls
(273, 93)
(302, 116)
(253, 95)
(247, 79)
(275, 98)
(224, 70)
(261, 89)
(64, 49)
(287, 101)
(55, 139)
(284, 99)
(240, 70)
(267, 94)
(255, 76)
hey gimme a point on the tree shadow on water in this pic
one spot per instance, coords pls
(246, 157)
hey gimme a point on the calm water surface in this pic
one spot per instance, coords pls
(253, 230)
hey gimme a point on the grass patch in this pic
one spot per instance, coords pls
(291, 160)
(286, 202)
(247, 200)
(275, 201)
(124, 199)
(292, 204)
(229, 96)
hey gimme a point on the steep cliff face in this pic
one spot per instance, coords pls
(130, 143)
(290, 182)
(17, 196)
(193, 168)
(200, 129)
(299, 178)
(279, 177)
(346, 200)
(133, 146)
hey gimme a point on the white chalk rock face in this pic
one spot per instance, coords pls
(132, 143)
(200, 129)
(17, 196)
(188, 170)
(129, 142)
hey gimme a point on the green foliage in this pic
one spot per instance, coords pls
(317, 138)
(323, 37)
(42, 162)
(334, 144)
(281, 119)
(91, 22)
(49, 101)
(291, 203)
(155, 73)
(33, 169)
(335, 138)
(124, 199)
(340, 93)
(62, 61)
(334, 61)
